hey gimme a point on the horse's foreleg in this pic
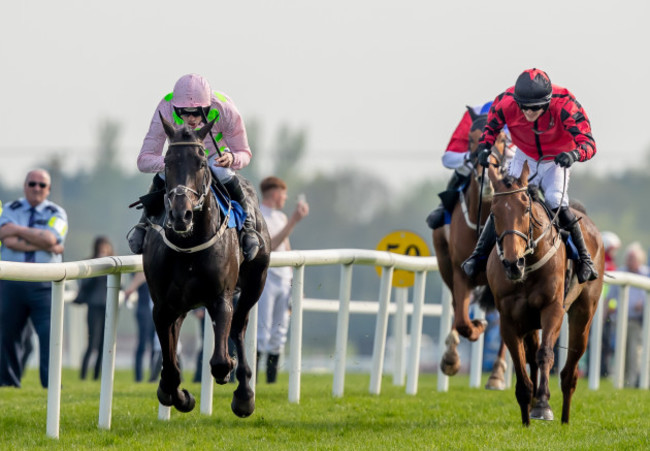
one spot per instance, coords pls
(524, 386)
(170, 376)
(551, 320)
(221, 364)
(470, 329)
(531, 346)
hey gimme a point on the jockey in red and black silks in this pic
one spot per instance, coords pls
(563, 127)
(551, 131)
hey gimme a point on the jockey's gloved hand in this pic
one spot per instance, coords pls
(566, 159)
(483, 151)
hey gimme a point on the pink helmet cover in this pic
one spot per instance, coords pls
(191, 90)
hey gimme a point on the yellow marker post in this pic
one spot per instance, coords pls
(403, 242)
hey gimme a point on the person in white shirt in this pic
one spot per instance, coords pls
(274, 305)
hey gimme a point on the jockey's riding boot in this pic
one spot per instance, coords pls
(478, 260)
(248, 237)
(448, 197)
(152, 204)
(272, 368)
(585, 269)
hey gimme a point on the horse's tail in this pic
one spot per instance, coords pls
(483, 296)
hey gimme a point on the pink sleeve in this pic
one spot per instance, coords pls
(150, 158)
(235, 136)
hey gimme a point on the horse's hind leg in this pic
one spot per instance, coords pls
(497, 379)
(579, 324)
(252, 282)
(221, 364)
(170, 376)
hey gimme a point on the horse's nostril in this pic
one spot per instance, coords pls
(188, 215)
(521, 262)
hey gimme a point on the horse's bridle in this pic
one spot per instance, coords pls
(531, 242)
(182, 190)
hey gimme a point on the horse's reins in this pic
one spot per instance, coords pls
(478, 227)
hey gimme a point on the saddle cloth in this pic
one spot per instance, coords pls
(237, 212)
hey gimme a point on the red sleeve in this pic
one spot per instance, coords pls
(459, 141)
(495, 121)
(575, 121)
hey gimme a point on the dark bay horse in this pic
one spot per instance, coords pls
(194, 261)
(453, 244)
(533, 286)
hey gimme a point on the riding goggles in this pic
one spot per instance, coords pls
(532, 107)
(194, 111)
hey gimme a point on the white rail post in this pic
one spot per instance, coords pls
(399, 336)
(645, 357)
(379, 347)
(445, 328)
(108, 355)
(296, 333)
(621, 337)
(343, 321)
(476, 359)
(596, 345)
(207, 386)
(413, 369)
(56, 355)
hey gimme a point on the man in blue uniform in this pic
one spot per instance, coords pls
(32, 230)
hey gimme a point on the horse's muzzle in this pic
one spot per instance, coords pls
(514, 269)
(180, 221)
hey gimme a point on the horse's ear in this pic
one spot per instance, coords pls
(523, 178)
(471, 112)
(205, 129)
(169, 128)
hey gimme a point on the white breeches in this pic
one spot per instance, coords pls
(551, 178)
(273, 315)
(457, 161)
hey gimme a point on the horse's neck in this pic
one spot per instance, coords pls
(473, 197)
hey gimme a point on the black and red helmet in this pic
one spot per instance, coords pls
(533, 87)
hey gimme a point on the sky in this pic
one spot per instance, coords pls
(378, 85)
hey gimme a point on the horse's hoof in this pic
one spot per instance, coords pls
(541, 413)
(164, 398)
(187, 404)
(494, 383)
(450, 364)
(242, 407)
(222, 381)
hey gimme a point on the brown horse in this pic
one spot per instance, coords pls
(194, 261)
(533, 285)
(453, 244)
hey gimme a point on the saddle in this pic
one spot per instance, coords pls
(449, 198)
